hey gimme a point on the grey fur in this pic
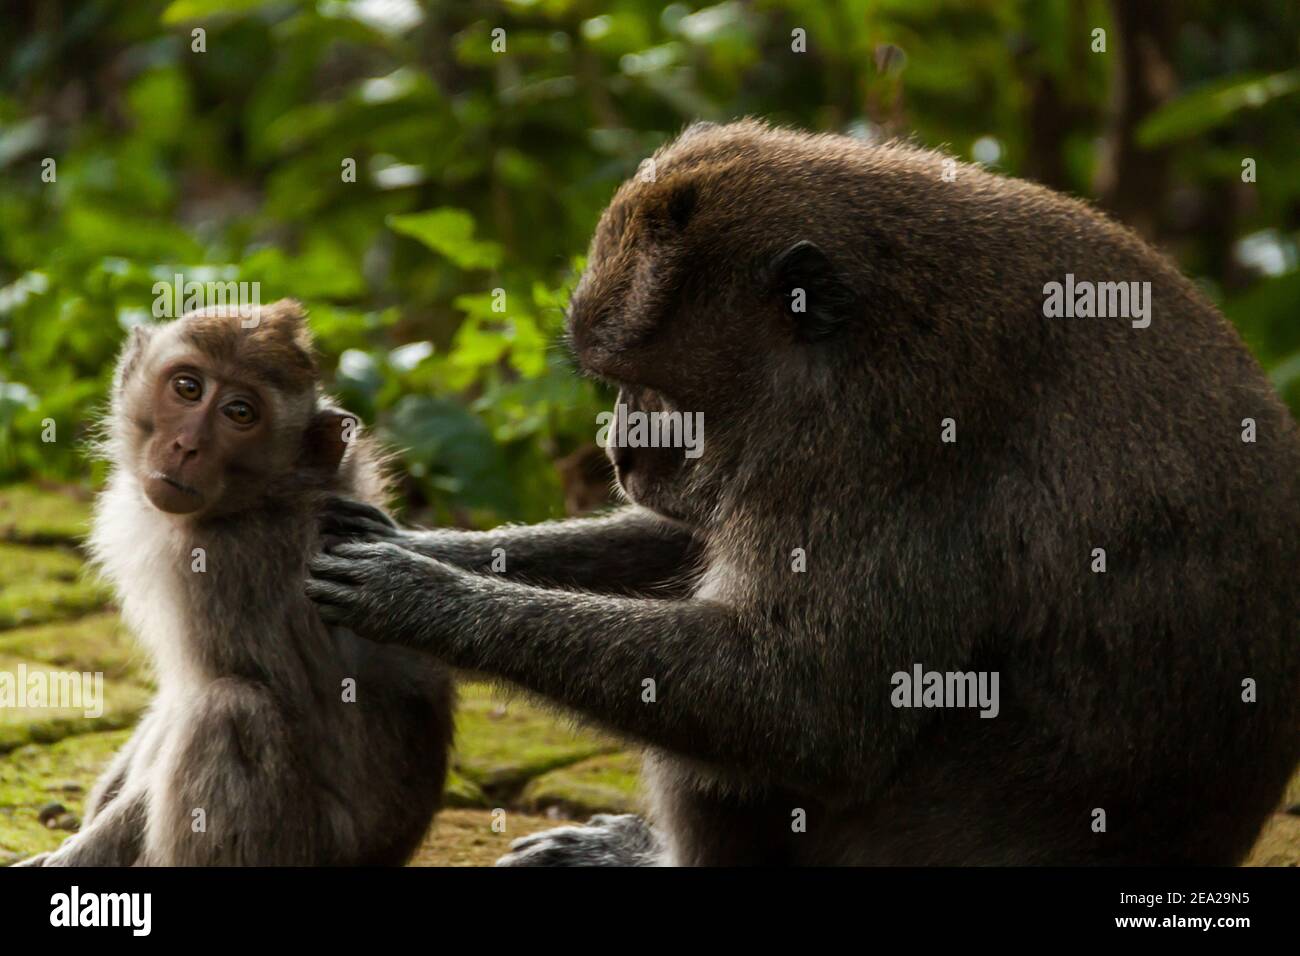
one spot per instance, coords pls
(606, 840)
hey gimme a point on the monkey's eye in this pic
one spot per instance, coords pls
(241, 413)
(187, 387)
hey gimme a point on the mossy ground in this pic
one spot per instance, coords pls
(39, 584)
(39, 774)
(96, 642)
(504, 741)
(604, 784)
(512, 755)
(44, 515)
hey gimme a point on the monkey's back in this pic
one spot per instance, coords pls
(1167, 448)
(1164, 682)
(1165, 688)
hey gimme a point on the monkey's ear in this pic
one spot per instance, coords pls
(811, 289)
(671, 208)
(326, 438)
(136, 345)
(681, 204)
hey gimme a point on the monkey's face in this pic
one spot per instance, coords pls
(706, 297)
(213, 418)
(210, 435)
(628, 326)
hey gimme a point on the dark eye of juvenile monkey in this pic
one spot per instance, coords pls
(187, 387)
(241, 413)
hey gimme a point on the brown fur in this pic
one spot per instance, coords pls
(1120, 691)
(250, 725)
(278, 349)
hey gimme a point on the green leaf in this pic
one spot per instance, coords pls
(160, 105)
(527, 346)
(449, 232)
(182, 10)
(1212, 105)
(1286, 373)
(325, 269)
(443, 439)
(1265, 314)
(479, 347)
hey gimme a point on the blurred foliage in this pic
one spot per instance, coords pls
(436, 280)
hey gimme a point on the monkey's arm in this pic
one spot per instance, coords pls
(725, 690)
(628, 550)
(108, 837)
(114, 838)
(111, 781)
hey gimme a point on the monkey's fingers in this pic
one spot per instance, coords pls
(382, 551)
(340, 507)
(354, 526)
(331, 614)
(329, 567)
(324, 592)
(562, 846)
(334, 603)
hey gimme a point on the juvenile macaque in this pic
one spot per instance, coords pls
(274, 739)
(907, 467)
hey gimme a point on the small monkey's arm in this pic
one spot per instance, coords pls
(722, 691)
(114, 838)
(627, 551)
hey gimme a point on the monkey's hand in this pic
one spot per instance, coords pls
(368, 587)
(356, 520)
(55, 857)
(605, 840)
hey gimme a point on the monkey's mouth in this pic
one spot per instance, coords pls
(171, 495)
(179, 486)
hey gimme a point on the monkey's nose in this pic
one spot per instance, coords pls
(184, 451)
(578, 322)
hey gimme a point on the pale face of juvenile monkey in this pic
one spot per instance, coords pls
(204, 426)
(215, 412)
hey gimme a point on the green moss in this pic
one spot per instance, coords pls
(605, 784)
(44, 584)
(121, 701)
(35, 775)
(502, 743)
(460, 792)
(39, 516)
(97, 642)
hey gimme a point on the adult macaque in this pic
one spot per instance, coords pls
(907, 463)
(274, 739)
